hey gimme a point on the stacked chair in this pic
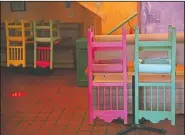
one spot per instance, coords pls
(156, 66)
(46, 35)
(17, 35)
(107, 81)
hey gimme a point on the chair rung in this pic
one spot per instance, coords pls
(12, 47)
(15, 39)
(155, 48)
(107, 44)
(42, 27)
(43, 48)
(154, 43)
(155, 84)
(107, 67)
(14, 27)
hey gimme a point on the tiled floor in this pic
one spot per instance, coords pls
(54, 105)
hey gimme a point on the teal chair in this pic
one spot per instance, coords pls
(155, 66)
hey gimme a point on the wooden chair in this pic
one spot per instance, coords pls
(43, 53)
(107, 91)
(16, 39)
(166, 66)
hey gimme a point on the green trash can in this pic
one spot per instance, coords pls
(81, 62)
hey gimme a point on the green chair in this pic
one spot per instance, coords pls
(155, 66)
(46, 35)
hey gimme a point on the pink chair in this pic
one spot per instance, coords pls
(107, 81)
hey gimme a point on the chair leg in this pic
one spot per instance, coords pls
(125, 118)
(90, 105)
(24, 65)
(173, 120)
(137, 121)
(90, 121)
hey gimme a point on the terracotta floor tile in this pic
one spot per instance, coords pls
(33, 128)
(86, 127)
(46, 128)
(66, 117)
(132, 132)
(99, 122)
(72, 129)
(82, 132)
(180, 120)
(180, 130)
(54, 116)
(17, 118)
(10, 126)
(165, 124)
(44, 114)
(111, 132)
(37, 108)
(98, 133)
(30, 116)
(21, 128)
(99, 130)
(40, 118)
(78, 116)
(85, 124)
(48, 108)
(138, 132)
(58, 130)
(113, 128)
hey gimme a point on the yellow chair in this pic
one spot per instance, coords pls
(16, 38)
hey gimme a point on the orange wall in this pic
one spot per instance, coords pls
(105, 18)
(52, 10)
(44, 10)
(113, 13)
(33, 11)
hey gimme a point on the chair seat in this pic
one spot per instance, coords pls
(156, 65)
(43, 64)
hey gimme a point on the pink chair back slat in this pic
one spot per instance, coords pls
(110, 98)
(117, 100)
(98, 98)
(105, 68)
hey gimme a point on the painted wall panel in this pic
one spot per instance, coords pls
(156, 16)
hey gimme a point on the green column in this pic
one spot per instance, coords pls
(81, 62)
